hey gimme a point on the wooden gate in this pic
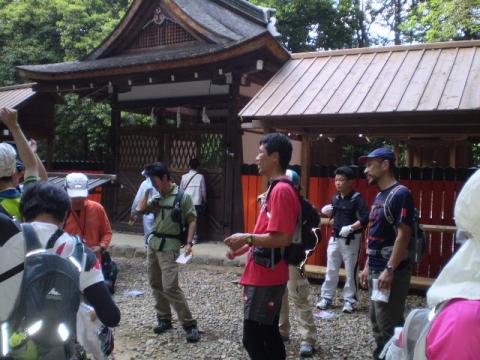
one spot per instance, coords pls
(141, 146)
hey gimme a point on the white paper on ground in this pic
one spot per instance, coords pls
(325, 315)
(184, 259)
(134, 293)
(379, 294)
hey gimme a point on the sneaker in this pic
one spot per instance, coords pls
(348, 307)
(192, 335)
(163, 325)
(324, 304)
(306, 350)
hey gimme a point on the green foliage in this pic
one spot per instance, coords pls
(318, 24)
(443, 20)
(49, 31)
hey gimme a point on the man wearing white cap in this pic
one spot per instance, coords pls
(87, 218)
(9, 195)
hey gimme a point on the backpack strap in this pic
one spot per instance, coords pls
(189, 181)
(53, 239)
(32, 242)
(386, 206)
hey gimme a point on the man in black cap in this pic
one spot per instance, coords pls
(388, 268)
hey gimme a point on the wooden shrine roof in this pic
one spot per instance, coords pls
(14, 96)
(171, 34)
(428, 78)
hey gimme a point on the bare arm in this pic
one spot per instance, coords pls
(400, 248)
(270, 240)
(42, 172)
(9, 118)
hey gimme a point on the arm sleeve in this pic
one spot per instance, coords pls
(403, 207)
(188, 209)
(100, 299)
(203, 188)
(139, 194)
(106, 229)
(284, 207)
(362, 211)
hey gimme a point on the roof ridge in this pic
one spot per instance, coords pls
(17, 87)
(253, 11)
(368, 50)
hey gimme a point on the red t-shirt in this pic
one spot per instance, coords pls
(284, 209)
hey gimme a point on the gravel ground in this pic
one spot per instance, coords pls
(214, 297)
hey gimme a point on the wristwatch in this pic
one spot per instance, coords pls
(250, 240)
(389, 268)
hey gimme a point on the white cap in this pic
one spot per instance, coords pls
(8, 160)
(77, 185)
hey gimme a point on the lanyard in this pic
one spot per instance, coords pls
(81, 221)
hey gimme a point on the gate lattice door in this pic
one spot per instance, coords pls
(210, 150)
(140, 148)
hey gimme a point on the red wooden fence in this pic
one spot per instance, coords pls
(434, 192)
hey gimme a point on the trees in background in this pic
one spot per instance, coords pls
(49, 31)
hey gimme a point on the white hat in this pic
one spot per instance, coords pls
(8, 160)
(77, 185)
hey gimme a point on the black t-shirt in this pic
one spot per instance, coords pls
(382, 234)
(348, 210)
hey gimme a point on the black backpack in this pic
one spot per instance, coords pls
(418, 242)
(307, 234)
(49, 298)
(109, 270)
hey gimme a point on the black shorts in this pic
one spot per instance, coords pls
(262, 303)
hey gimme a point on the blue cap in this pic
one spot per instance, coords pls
(382, 153)
(293, 176)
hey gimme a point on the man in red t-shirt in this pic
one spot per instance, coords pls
(266, 273)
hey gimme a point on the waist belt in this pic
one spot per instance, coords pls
(384, 252)
(348, 239)
(162, 237)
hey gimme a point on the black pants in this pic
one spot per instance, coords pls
(263, 342)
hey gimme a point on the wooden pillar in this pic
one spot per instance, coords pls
(306, 162)
(233, 209)
(452, 154)
(115, 132)
(409, 156)
(396, 150)
(111, 193)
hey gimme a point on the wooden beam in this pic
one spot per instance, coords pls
(318, 272)
(305, 162)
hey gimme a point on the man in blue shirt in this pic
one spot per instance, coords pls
(388, 265)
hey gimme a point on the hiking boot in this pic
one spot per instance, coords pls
(348, 307)
(191, 334)
(324, 304)
(162, 326)
(306, 350)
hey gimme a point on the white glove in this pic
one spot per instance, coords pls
(327, 210)
(345, 231)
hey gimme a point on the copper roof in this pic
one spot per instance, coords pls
(14, 96)
(425, 78)
(94, 180)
